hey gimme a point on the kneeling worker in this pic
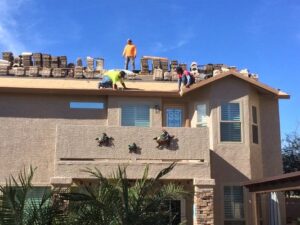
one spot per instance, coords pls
(110, 79)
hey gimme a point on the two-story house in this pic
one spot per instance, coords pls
(226, 132)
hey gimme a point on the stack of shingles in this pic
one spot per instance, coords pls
(174, 65)
(46, 64)
(54, 62)
(37, 59)
(27, 59)
(89, 72)
(144, 66)
(33, 71)
(78, 70)
(63, 65)
(63, 61)
(4, 65)
(46, 60)
(8, 56)
(99, 64)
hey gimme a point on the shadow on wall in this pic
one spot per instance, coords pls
(223, 172)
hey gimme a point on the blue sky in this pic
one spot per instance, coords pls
(261, 35)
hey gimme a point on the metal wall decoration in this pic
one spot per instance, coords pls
(105, 140)
(164, 140)
(133, 148)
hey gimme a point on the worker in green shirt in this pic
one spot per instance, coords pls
(110, 79)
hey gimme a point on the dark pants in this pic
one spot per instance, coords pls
(127, 59)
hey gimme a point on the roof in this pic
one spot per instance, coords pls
(255, 83)
(283, 182)
(136, 87)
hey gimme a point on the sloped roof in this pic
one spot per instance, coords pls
(136, 88)
(255, 83)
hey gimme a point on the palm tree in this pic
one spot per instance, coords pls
(17, 208)
(120, 201)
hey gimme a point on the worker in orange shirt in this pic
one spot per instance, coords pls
(129, 54)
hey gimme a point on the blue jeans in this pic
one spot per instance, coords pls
(105, 82)
(127, 60)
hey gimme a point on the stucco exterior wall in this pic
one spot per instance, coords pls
(77, 148)
(270, 135)
(28, 130)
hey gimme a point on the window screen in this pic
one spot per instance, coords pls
(230, 122)
(135, 115)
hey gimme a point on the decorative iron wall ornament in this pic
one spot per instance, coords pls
(164, 140)
(105, 140)
(133, 148)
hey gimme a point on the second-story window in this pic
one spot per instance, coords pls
(254, 125)
(174, 117)
(201, 115)
(230, 122)
(135, 115)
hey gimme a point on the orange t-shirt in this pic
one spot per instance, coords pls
(129, 50)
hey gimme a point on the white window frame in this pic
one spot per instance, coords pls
(229, 121)
(201, 124)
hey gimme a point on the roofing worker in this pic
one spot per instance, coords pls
(129, 53)
(110, 79)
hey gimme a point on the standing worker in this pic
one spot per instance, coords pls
(129, 54)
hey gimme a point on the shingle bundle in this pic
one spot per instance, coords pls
(8, 56)
(63, 61)
(3, 70)
(46, 58)
(78, 72)
(45, 72)
(33, 71)
(144, 66)
(27, 59)
(54, 62)
(99, 64)
(37, 59)
(90, 63)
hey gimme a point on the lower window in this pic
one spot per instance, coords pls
(135, 115)
(234, 206)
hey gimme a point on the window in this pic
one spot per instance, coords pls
(86, 105)
(174, 117)
(230, 122)
(135, 115)
(254, 125)
(233, 206)
(174, 208)
(201, 115)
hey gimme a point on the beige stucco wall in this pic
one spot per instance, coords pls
(28, 130)
(189, 149)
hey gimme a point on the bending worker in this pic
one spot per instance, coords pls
(110, 79)
(129, 53)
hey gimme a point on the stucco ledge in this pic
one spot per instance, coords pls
(61, 180)
(204, 182)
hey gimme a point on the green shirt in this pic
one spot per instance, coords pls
(114, 76)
